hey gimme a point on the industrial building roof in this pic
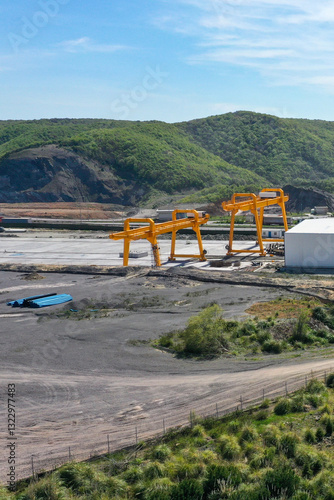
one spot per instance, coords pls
(314, 226)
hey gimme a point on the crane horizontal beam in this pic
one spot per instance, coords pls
(256, 205)
(152, 230)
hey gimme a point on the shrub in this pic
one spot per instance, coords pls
(246, 329)
(188, 489)
(325, 409)
(249, 492)
(248, 434)
(330, 380)
(282, 480)
(262, 336)
(204, 335)
(180, 468)
(271, 436)
(77, 477)
(272, 346)
(329, 427)
(228, 447)
(297, 403)
(319, 434)
(301, 495)
(133, 474)
(315, 386)
(116, 486)
(234, 426)
(319, 314)
(47, 488)
(5, 495)
(217, 473)
(263, 458)
(300, 331)
(265, 403)
(261, 415)
(161, 452)
(282, 407)
(314, 400)
(323, 334)
(166, 340)
(198, 431)
(158, 489)
(322, 486)
(249, 449)
(288, 444)
(153, 470)
(309, 436)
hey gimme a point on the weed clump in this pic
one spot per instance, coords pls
(283, 407)
(330, 380)
(161, 452)
(228, 447)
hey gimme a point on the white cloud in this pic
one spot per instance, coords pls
(285, 41)
(85, 45)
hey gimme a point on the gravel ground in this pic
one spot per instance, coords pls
(78, 381)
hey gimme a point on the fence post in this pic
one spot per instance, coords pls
(136, 435)
(217, 412)
(240, 402)
(163, 425)
(286, 388)
(32, 467)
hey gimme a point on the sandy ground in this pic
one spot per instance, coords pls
(62, 210)
(79, 381)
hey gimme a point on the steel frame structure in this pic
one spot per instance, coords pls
(152, 230)
(256, 205)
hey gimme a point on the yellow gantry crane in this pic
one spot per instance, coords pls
(152, 230)
(256, 205)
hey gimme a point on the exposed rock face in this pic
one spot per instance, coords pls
(306, 198)
(50, 173)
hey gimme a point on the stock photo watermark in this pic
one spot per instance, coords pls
(129, 101)
(31, 26)
(11, 437)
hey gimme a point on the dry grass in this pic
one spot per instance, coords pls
(283, 308)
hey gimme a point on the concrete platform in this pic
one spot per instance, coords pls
(86, 251)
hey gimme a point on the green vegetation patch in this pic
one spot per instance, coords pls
(209, 335)
(289, 455)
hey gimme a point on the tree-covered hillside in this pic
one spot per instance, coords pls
(147, 157)
(281, 150)
(206, 159)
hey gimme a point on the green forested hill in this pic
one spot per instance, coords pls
(207, 158)
(144, 158)
(157, 154)
(281, 150)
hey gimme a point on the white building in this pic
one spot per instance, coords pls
(310, 244)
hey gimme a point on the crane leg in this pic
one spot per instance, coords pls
(156, 253)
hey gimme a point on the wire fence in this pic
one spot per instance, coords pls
(130, 436)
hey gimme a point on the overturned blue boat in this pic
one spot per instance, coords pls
(50, 299)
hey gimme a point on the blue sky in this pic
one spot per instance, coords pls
(169, 60)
